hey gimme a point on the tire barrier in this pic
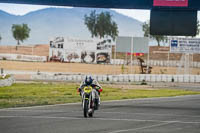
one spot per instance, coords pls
(7, 82)
(122, 78)
(161, 63)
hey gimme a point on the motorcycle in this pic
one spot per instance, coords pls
(88, 101)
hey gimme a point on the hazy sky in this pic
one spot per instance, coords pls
(21, 9)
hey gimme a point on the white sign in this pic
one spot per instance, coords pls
(185, 45)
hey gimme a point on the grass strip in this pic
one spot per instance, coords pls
(32, 94)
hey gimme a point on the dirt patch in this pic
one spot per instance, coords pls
(39, 50)
(84, 68)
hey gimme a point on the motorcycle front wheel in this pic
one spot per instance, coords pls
(90, 114)
(85, 107)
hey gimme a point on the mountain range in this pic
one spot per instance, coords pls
(68, 22)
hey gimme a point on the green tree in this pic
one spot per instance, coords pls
(101, 25)
(158, 38)
(20, 32)
(91, 22)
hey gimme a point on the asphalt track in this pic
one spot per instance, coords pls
(156, 115)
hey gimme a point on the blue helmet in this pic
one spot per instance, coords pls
(88, 81)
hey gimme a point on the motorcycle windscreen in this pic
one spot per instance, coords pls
(173, 22)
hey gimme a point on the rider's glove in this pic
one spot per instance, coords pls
(100, 90)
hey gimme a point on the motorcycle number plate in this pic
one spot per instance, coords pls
(87, 89)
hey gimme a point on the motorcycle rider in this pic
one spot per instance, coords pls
(96, 89)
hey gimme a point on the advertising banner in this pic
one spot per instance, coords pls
(176, 3)
(87, 57)
(103, 57)
(185, 45)
(80, 44)
(73, 56)
(80, 50)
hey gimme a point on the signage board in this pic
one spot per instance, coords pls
(132, 44)
(185, 45)
(173, 22)
(175, 3)
(123, 44)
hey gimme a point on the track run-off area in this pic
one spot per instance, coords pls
(176, 114)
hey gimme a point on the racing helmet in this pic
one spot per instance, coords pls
(88, 80)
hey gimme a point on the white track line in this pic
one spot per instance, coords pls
(140, 128)
(103, 119)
